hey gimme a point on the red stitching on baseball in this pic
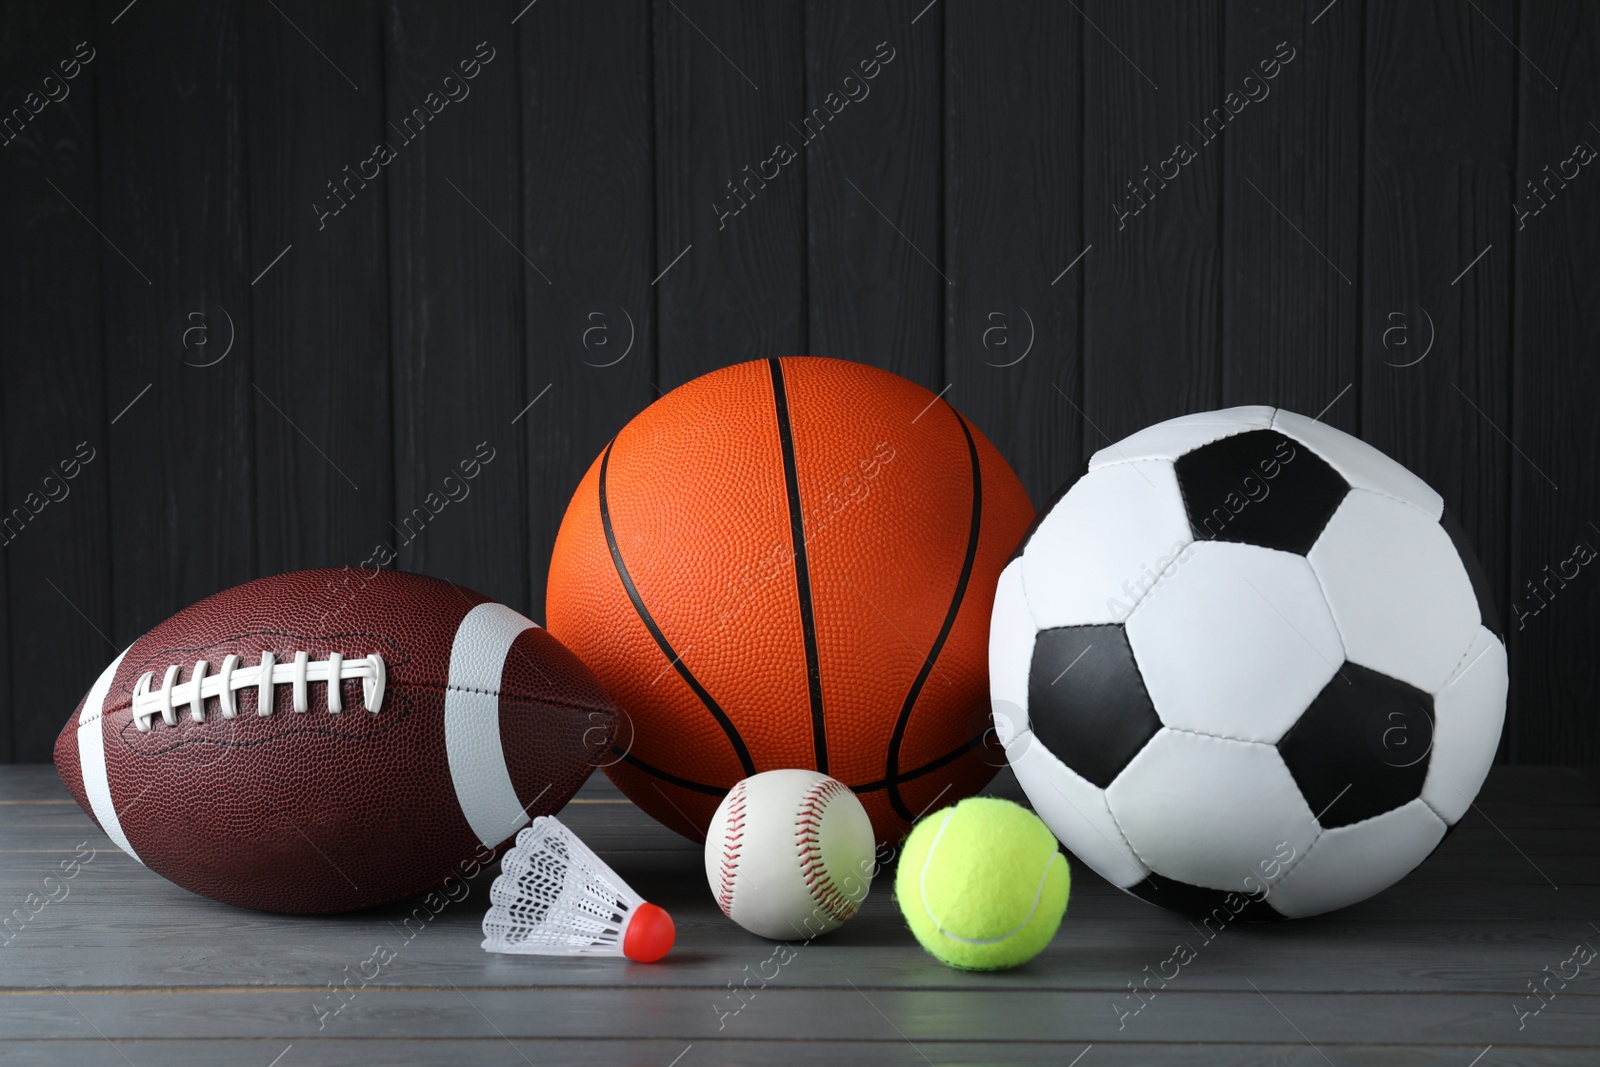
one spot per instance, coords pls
(731, 839)
(808, 824)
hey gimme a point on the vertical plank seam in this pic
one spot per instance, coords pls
(1084, 235)
(386, 20)
(253, 434)
(110, 615)
(812, 159)
(946, 297)
(524, 517)
(1361, 229)
(948, 197)
(1510, 736)
(8, 712)
(393, 473)
(1220, 374)
(651, 291)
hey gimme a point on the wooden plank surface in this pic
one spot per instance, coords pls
(1013, 228)
(865, 1013)
(394, 339)
(456, 283)
(730, 256)
(173, 202)
(55, 531)
(890, 1052)
(874, 181)
(7, 725)
(588, 220)
(492, 1049)
(1554, 597)
(1151, 297)
(319, 288)
(1291, 208)
(1427, 971)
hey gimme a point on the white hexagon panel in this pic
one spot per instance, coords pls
(1235, 642)
(1248, 666)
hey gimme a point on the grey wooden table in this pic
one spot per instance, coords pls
(122, 967)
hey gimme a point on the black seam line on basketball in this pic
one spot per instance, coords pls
(670, 779)
(675, 660)
(870, 787)
(891, 772)
(927, 768)
(802, 570)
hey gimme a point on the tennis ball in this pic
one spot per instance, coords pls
(982, 884)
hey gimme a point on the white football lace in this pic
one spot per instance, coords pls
(165, 701)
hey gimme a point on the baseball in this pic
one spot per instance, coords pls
(789, 854)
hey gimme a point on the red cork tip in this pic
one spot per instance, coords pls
(650, 934)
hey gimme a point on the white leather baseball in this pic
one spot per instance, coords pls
(789, 854)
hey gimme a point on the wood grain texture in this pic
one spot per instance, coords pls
(1424, 972)
(1439, 151)
(867, 1013)
(320, 313)
(457, 296)
(1152, 75)
(1291, 209)
(55, 531)
(1372, 211)
(8, 749)
(1554, 598)
(874, 183)
(1013, 225)
(721, 1052)
(863, 1014)
(181, 440)
(729, 89)
(589, 222)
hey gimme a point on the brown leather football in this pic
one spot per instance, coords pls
(355, 737)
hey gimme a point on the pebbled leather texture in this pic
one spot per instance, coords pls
(700, 492)
(320, 811)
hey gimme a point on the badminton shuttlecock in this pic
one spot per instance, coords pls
(555, 897)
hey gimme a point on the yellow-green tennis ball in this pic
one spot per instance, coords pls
(982, 884)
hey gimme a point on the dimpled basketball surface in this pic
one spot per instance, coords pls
(791, 563)
(456, 721)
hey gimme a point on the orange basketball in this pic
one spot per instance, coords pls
(791, 563)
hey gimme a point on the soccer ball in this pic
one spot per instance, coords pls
(1247, 662)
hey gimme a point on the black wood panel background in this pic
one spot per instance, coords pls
(274, 273)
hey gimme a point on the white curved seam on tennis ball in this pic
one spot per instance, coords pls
(922, 889)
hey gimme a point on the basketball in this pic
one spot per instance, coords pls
(790, 563)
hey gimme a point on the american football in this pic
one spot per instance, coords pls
(331, 739)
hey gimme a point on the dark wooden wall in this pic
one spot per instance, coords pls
(553, 240)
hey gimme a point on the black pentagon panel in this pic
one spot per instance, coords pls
(1086, 701)
(1362, 747)
(1259, 488)
(1488, 614)
(1217, 908)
